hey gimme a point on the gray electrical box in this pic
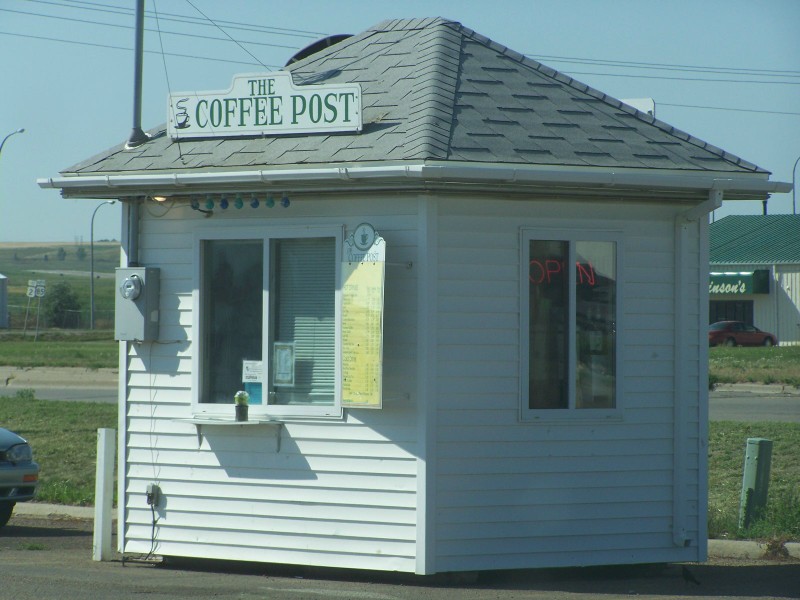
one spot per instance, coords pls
(136, 315)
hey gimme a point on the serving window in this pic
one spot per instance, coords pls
(268, 322)
(570, 323)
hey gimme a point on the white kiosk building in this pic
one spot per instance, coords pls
(466, 294)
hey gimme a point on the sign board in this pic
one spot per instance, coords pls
(252, 375)
(252, 371)
(363, 271)
(739, 284)
(37, 288)
(283, 363)
(265, 104)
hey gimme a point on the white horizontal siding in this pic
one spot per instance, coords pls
(513, 494)
(250, 484)
(293, 501)
(284, 464)
(339, 493)
(787, 288)
(245, 520)
(299, 552)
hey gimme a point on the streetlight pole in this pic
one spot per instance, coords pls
(91, 262)
(20, 130)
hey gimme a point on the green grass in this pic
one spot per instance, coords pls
(64, 440)
(90, 350)
(726, 459)
(755, 365)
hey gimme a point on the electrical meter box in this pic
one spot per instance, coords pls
(136, 315)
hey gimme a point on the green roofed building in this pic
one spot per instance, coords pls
(755, 273)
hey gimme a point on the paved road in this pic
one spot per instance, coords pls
(731, 403)
(49, 559)
(741, 402)
(750, 403)
(86, 394)
(60, 383)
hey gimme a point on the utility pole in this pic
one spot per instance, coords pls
(138, 137)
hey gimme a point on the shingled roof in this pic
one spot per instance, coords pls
(433, 90)
(755, 240)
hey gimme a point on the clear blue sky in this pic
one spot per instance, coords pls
(726, 71)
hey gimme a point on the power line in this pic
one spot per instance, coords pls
(668, 67)
(178, 33)
(749, 110)
(599, 62)
(698, 79)
(96, 45)
(48, 39)
(567, 59)
(225, 32)
(98, 7)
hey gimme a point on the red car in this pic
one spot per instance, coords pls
(737, 333)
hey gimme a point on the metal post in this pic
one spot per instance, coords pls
(25, 325)
(103, 494)
(38, 313)
(138, 137)
(755, 481)
(91, 263)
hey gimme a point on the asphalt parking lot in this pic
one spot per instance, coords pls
(51, 557)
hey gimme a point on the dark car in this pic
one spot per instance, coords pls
(19, 475)
(737, 333)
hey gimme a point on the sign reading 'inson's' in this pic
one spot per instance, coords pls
(265, 104)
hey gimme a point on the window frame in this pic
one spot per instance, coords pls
(572, 412)
(265, 235)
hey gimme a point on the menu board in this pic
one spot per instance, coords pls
(362, 318)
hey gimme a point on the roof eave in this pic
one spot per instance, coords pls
(747, 186)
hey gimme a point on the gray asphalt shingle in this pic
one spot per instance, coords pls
(435, 90)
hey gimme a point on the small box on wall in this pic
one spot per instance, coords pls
(136, 316)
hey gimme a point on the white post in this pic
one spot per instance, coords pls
(104, 494)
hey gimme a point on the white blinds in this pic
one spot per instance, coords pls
(303, 311)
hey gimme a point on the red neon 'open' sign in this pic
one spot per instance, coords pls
(547, 270)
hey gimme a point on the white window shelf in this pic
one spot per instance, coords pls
(274, 427)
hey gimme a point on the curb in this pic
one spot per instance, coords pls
(57, 511)
(736, 549)
(758, 389)
(744, 549)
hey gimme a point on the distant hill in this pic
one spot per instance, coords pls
(56, 263)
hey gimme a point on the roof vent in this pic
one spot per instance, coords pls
(645, 105)
(326, 42)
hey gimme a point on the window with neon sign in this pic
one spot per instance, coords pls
(570, 324)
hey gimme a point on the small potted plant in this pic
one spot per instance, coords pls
(241, 399)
